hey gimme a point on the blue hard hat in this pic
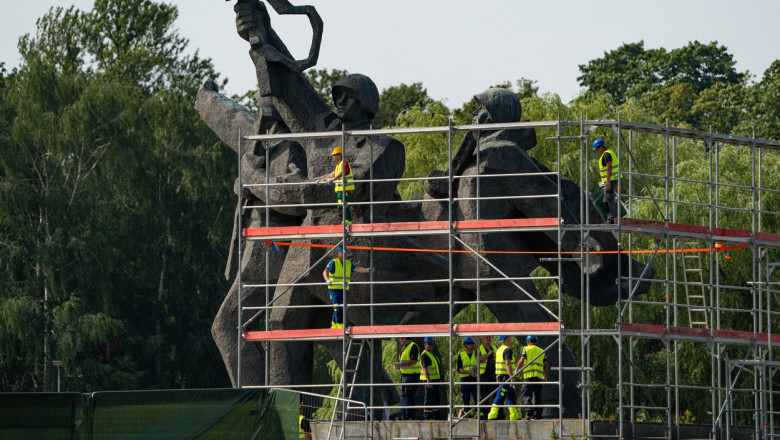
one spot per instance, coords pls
(468, 340)
(428, 339)
(341, 248)
(501, 338)
(530, 338)
(599, 143)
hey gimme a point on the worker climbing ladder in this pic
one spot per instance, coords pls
(694, 284)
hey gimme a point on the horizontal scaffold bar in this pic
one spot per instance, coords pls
(640, 226)
(403, 228)
(735, 337)
(415, 330)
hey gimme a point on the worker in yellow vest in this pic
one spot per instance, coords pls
(431, 376)
(536, 370)
(468, 371)
(337, 275)
(609, 170)
(344, 183)
(487, 369)
(505, 360)
(304, 428)
(409, 364)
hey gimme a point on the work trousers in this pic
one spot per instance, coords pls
(469, 391)
(610, 201)
(532, 394)
(342, 198)
(432, 399)
(409, 385)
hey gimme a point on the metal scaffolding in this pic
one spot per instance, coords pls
(702, 334)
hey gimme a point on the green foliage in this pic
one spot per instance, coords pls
(107, 213)
(631, 70)
(397, 99)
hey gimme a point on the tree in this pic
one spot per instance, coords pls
(397, 99)
(632, 71)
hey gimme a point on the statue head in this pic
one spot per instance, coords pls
(356, 97)
(497, 105)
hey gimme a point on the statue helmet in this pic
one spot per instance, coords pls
(501, 104)
(363, 89)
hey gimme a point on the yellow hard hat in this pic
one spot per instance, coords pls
(336, 151)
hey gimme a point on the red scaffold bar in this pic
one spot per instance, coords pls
(326, 231)
(717, 234)
(736, 337)
(412, 330)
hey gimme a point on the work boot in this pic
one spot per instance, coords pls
(513, 414)
(493, 414)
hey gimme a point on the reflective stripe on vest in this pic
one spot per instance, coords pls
(535, 368)
(340, 181)
(482, 352)
(501, 363)
(337, 277)
(405, 356)
(603, 169)
(301, 432)
(433, 369)
(468, 362)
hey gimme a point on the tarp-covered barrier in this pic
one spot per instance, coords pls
(41, 415)
(174, 414)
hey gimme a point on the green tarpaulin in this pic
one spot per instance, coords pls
(173, 414)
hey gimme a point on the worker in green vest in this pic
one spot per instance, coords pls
(344, 183)
(505, 360)
(431, 376)
(609, 172)
(304, 429)
(337, 276)
(536, 370)
(409, 364)
(467, 373)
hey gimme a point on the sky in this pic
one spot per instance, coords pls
(458, 48)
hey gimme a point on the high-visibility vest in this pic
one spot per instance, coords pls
(501, 363)
(405, 356)
(433, 370)
(468, 362)
(535, 368)
(301, 432)
(482, 352)
(337, 277)
(615, 167)
(340, 180)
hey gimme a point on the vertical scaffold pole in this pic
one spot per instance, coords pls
(560, 271)
(619, 308)
(345, 282)
(371, 278)
(267, 365)
(239, 256)
(450, 133)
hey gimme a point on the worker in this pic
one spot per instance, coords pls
(337, 275)
(304, 428)
(409, 364)
(609, 172)
(342, 173)
(487, 369)
(431, 375)
(536, 371)
(468, 371)
(505, 359)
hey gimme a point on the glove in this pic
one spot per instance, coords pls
(473, 373)
(370, 269)
(397, 365)
(330, 282)
(330, 180)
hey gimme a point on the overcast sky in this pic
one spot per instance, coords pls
(457, 48)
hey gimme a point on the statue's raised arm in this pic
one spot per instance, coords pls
(279, 74)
